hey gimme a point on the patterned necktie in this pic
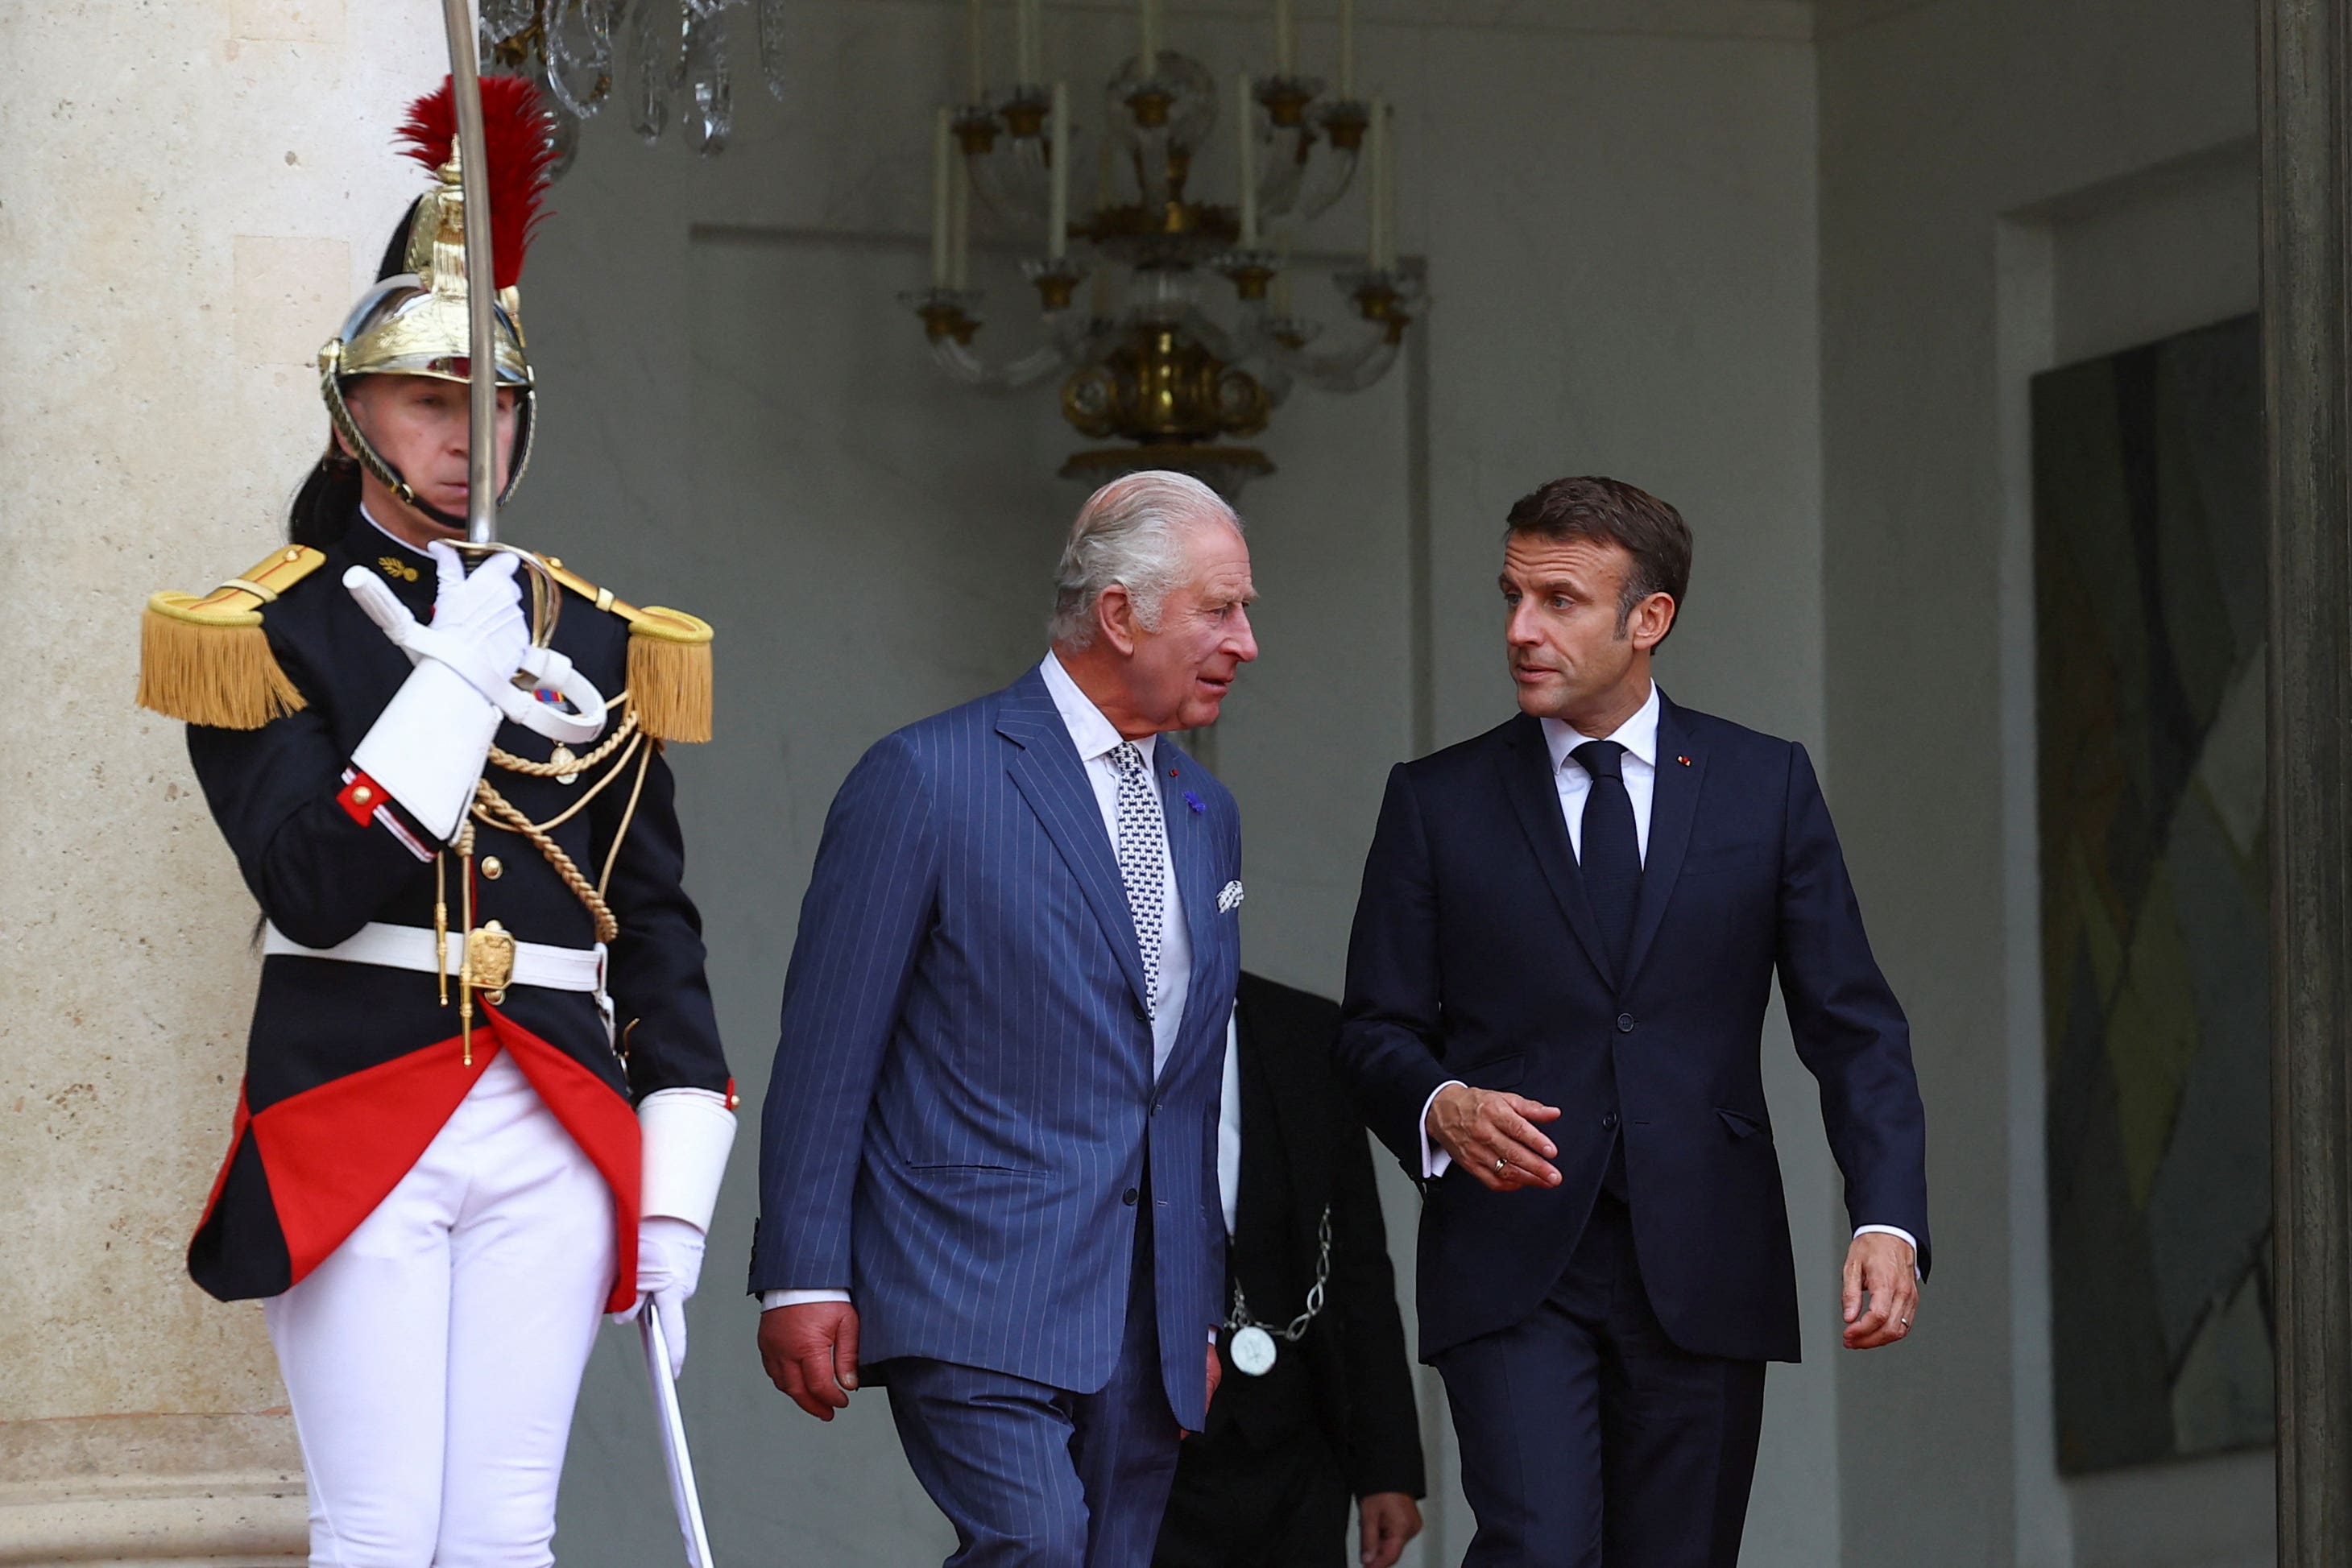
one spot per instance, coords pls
(1611, 857)
(1142, 857)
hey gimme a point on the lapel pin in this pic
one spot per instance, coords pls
(1684, 760)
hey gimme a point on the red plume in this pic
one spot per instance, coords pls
(515, 128)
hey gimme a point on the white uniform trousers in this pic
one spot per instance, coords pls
(434, 1359)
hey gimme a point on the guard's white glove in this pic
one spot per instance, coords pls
(428, 745)
(477, 628)
(670, 1266)
(478, 631)
(686, 1134)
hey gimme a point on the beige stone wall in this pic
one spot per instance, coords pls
(191, 194)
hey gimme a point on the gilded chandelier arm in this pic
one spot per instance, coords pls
(1277, 342)
(951, 320)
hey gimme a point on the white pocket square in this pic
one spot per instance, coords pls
(1230, 899)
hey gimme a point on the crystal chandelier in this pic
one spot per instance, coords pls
(1141, 361)
(670, 58)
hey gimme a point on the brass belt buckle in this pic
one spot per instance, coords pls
(489, 958)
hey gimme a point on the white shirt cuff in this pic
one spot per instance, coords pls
(770, 1299)
(1899, 1234)
(1434, 1161)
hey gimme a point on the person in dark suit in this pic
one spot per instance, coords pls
(1566, 938)
(987, 1156)
(1268, 1484)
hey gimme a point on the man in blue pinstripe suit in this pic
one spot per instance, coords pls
(987, 1159)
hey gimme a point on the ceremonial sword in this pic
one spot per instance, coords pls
(481, 371)
(682, 1493)
(482, 532)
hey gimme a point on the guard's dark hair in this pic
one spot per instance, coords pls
(322, 507)
(1610, 511)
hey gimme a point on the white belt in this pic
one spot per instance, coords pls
(411, 948)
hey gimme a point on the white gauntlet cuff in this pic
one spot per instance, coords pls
(687, 1133)
(428, 745)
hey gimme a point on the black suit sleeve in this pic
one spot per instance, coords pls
(1383, 1428)
(661, 998)
(1389, 1030)
(1849, 1030)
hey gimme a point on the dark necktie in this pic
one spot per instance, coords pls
(1612, 852)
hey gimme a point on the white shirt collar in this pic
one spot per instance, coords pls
(1090, 732)
(1638, 735)
(394, 537)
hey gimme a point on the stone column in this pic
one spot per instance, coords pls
(2307, 373)
(190, 197)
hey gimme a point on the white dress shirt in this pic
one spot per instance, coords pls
(1097, 737)
(1229, 1129)
(1638, 736)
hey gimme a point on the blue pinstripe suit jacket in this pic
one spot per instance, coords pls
(964, 1095)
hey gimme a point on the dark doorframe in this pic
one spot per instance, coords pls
(2305, 103)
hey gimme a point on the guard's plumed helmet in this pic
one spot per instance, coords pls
(414, 322)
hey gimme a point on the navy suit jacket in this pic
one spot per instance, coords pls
(1476, 956)
(963, 1106)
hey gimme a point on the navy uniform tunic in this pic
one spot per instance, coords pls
(350, 1069)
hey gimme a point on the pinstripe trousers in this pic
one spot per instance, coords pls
(1036, 1476)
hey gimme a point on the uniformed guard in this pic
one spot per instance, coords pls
(484, 1097)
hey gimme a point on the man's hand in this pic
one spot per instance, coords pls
(1886, 1269)
(1492, 1135)
(1216, 1375)
(811, 1353)
(1385, 1520)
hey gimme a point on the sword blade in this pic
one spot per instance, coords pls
(474, 174)
(683, 1494)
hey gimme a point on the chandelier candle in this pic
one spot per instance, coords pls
(942, 188)
(975, 49)
(960, 228)
(1286, 39)
(1028, 50)
(1388, 188)
(1245, 140)
(1347, 50)
(1380, 245)
(1057, 214)
(1147, 57)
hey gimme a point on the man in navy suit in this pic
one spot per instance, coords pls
(1565, 941)
(988, 1155)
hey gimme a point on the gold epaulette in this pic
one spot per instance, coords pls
(207, 661)
(669, 661)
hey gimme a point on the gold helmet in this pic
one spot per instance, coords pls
(414, 322)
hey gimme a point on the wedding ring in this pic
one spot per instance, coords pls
(1501, 1163)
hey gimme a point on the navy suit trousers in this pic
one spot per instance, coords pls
(1589, 1439)
(1036, 1476)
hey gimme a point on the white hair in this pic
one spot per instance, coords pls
(1131, 532)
